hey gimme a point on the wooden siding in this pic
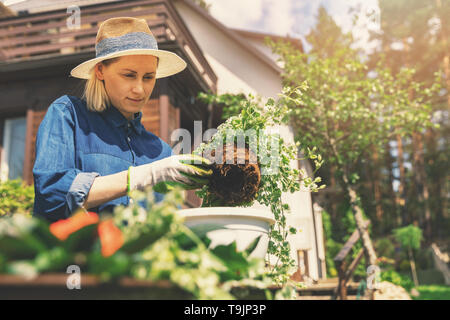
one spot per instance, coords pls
(34, 119)
(50, 34)
(150, 116)
(191, 199)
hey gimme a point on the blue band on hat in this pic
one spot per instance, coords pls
(132, 40)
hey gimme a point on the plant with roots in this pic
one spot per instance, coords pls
(252, 162)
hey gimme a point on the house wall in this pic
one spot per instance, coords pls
(301, 218)
(260, 45)
(234, 66)
(238, 70)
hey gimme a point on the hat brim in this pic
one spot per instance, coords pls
(169, 63)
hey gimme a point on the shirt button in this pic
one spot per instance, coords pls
(129, 125)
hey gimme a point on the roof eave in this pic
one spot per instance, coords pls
(234, 36)
(6, 12)
(261, 35)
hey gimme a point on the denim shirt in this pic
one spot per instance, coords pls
(75, 145)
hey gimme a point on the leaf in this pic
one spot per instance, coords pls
(252, 246)
(145, 239)
(185, 242)
(16, 248)
(109, 267)
(82, 239)
(42, 232)
(235, 261)
(56, 259)
(25, 269)
(22, 236)
(203, 229)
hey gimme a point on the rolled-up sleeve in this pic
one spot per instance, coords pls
(79, 190)
(60, 188)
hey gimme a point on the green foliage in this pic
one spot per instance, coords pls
(274, 157)
(409, 237)
(346, 113)
(360, 271)
(16, 196)
(349, 222)
(232, 103)
(23, 237)
(327, 224)
(385, 248)
(332, 247)
(397, 279)
(417, 28)
(404, 266)
(351, 109)
(157, 246)
(181, 256)
(327, 38)
(430, 276)
(424, 259)
(433, 292)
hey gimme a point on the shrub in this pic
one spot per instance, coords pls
(397, 279)
(16, 196)
(332, 249)
(424, 259)
(433, 292)
(385, 248)
(147, 244)
(404, 266)
(409, 237)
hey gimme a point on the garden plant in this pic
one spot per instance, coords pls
(409, 238)
(350, 112)
(148, 244)
(265, 171)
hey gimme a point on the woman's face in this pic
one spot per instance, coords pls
(129, 82)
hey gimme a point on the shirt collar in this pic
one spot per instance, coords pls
(113, 115)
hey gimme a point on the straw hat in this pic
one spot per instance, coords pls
(124, 36)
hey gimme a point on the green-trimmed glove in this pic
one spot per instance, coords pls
(186, 171)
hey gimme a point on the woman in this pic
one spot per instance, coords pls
(91, 152)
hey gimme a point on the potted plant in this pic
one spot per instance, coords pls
(251, 162)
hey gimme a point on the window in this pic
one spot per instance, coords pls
(13, 148)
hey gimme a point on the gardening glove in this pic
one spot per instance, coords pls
(186, 171)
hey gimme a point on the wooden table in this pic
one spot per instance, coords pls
(54, 287)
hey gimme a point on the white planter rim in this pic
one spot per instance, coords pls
(229, 212)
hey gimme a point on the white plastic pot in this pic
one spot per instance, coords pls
(223, 225)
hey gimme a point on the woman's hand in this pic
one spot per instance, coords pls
(186, 171)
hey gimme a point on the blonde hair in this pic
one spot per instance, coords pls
(97, 98)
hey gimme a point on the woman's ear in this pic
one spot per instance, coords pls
(98, 69)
